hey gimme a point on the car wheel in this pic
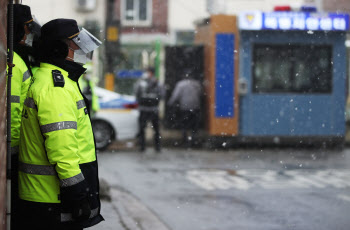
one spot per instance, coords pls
(103, 132)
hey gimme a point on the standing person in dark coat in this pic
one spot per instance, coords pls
(148, 94)
(187, 94)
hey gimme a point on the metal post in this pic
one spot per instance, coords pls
(112, 43)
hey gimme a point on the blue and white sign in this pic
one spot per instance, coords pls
(256, 20)
(130, 73)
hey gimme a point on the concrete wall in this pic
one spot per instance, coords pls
(47, 10)
(235, 6)
(183, 13)
(336, 5)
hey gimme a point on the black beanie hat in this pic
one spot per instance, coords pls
(59, 29)
(21, 16)
(51, 46)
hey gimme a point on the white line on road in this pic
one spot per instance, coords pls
(210, 179)
(344, 197)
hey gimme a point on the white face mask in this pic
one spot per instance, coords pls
(79, 56)
(29, 39)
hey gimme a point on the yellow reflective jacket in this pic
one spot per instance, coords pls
(93, 98)
(95, 102)
(19, 86)
(57, 150)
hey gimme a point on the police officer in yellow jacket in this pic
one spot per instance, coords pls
(25, 28)
(58, 178)
(87, 86)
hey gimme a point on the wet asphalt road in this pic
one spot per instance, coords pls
(246, 189)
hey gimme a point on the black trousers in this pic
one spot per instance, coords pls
(190, 120)
(153, 117)
(41, 216)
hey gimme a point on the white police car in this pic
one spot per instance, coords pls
(117, 118)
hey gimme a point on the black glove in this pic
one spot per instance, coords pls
(81, 210)
(75, 200)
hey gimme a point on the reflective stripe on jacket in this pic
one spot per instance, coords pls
(19, 88)
(57, 149)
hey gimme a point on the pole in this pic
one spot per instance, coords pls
(157, 60)
(8, 113)
(111, 36)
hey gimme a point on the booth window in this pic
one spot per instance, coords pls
(292, 69)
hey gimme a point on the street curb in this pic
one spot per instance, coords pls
(133, 214)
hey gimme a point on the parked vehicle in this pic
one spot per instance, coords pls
(117, 118)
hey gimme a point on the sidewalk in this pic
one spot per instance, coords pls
(125, 212)
(112, 220)
(169, 138)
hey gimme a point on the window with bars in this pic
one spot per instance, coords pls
(136, 12)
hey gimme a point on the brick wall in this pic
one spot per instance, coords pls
(159, 18)
(3, 45)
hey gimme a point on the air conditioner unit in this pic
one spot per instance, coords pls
(216, 6)
(85, 5)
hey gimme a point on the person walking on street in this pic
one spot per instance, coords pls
(187, 94)
(148, 94)
(58, 171)
(25, 28)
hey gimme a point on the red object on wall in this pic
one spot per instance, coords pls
(282, 8)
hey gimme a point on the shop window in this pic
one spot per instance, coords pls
(292, 69)
(136, 12)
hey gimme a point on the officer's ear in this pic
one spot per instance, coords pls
(54, 49)
(60, 49)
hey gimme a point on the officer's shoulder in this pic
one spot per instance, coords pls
(18, 61)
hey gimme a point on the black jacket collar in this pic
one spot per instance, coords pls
(74, 70)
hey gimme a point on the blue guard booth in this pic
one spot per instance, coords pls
(292, 75)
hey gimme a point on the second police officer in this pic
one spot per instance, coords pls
(25, 29)
(148, 94)
(58, 171)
